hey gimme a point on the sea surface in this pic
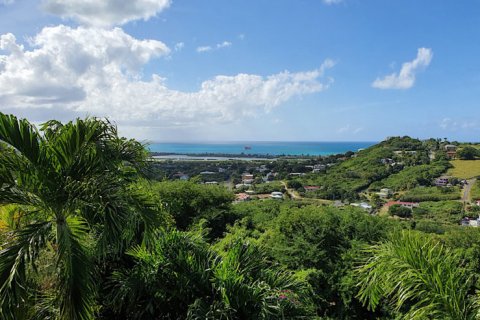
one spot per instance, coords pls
(261, 148)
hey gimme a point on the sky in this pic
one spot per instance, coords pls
(242, 70)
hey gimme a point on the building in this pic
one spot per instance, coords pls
(311, 188)
(211, 182)
(247, 178)
(441, 182)
(409, 205)
(385, 193)
(365, 206)
(241, 197)
(451, 151)
(276, 195)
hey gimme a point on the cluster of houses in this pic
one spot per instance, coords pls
(247, 196)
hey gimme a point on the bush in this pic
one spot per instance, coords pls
(400, 211)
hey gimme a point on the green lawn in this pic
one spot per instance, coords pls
(464, 169)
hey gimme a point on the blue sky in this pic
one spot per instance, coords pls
(247, 70)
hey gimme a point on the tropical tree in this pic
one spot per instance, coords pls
(418, 277)
(72, 187)
(183, 278)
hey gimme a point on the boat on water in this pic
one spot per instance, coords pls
(247, 148)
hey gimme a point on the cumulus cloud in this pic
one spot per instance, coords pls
(83, 70)
(405, 79)
(102, 13)
(224, 44)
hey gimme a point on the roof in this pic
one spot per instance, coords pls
(311, 187)
(242, 196)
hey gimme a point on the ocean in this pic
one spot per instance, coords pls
(261, 148)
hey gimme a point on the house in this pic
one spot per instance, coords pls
(465, 222)
(221, 170)
(451, 151)
(296, 174)
(206, 172)
(247, 178)
(470, 222)
(401, 152)
(441, 182)
(241, 197)
(181, 176)
(365, 206)
(409, 205)
(474, 222)
(211, 182)
(319, 168)
(387, 161)
(385, 193)
(276, 195)
(311, 188)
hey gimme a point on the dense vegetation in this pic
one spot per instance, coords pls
(91, 230)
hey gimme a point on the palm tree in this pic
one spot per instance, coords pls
(183, 278)
(72, 183)
(419, 277)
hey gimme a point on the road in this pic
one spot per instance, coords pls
(466, 190)
(292, 193)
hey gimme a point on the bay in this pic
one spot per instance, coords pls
(260, 147)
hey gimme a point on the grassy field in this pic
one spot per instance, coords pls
(464, 169)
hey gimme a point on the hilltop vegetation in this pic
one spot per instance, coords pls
(398, 163)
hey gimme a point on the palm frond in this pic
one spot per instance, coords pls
(417, 271)
(13, 263)
(76, 270)
(21, 135)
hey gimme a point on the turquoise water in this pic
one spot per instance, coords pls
(265, 148)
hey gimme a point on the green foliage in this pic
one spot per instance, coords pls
(475, 191)
(441, 211)
(188, 202)
(468, 153)
(419, 278)
(420, 194)
(183, 279)
(269, 187)
(65, 182)
(400, 211)
(318, 239)
(408, 178)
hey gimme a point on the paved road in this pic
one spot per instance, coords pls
(466, 190)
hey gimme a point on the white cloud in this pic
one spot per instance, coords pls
(224, 44)
(95, 71)
(405, 79)
(450, 124)
(329, 2)
(103, 13)
(179, 46)
(204, 49)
